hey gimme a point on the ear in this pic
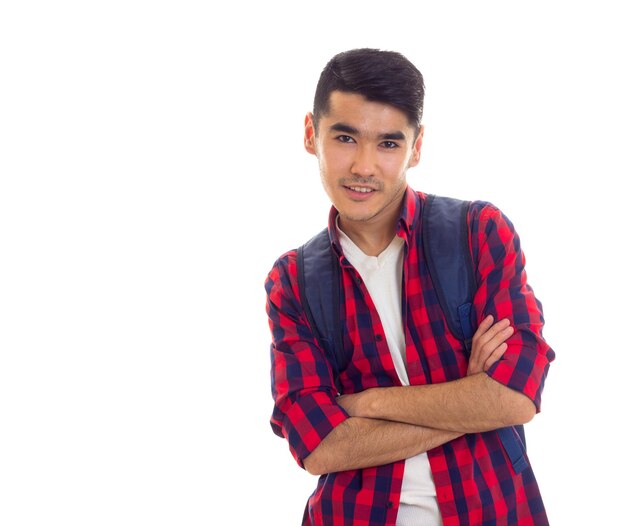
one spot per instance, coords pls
(309, 134)
(417, 148)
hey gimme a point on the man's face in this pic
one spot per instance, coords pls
(364, 149)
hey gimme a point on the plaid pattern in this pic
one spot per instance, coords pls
(473, 476)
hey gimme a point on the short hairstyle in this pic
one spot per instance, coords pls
(379, 76)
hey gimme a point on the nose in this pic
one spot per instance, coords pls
(364, 162)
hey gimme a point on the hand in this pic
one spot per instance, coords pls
(488, 344)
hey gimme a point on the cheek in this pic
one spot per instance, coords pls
(395, 165)
(333, 161)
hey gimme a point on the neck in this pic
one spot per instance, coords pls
(372, 244)
(372, 236)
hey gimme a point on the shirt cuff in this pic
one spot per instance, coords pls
(523, 370)
(309, 420)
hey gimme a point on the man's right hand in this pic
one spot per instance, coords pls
(488, 344)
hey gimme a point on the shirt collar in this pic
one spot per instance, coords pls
(406, 225)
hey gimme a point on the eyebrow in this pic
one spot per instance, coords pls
(345, 128)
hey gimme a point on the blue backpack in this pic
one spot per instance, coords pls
(451, 268)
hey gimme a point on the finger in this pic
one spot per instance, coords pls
(495, 356)
(498, 327)
(483, 327)
(499, 337)
(494, 331)
(487, 322)
(486, 343)
(489, 343)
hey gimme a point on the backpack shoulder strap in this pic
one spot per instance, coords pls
(451, 268)
(450, 264)
(320, 294)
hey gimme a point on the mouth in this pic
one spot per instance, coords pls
(359, 193)
(360, 189)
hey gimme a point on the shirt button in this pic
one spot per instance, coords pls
(389, 504)
(359, 281)
(379, 338)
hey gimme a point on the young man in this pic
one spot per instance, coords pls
(406, 432)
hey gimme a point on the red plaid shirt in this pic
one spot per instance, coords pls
(473, 476)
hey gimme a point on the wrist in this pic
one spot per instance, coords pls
(370, 402)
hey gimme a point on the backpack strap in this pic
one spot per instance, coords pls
(318, 280)
(451, 268)
(450, 264)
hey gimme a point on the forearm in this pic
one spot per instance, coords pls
(469, 405)
(365, 442)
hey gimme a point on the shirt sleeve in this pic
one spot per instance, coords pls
(503, 292)
(305, 407)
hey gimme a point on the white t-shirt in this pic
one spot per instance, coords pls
(382, 276)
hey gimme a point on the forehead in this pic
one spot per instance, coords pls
(366, 115)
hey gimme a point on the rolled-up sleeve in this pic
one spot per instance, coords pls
(305, 407)
(503, 292)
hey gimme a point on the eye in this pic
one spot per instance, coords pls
(389, 145)
(345, 138)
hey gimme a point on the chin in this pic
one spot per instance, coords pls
(360, 216)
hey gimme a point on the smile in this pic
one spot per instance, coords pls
(360, 189)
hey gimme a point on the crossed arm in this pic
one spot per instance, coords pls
(393, 423)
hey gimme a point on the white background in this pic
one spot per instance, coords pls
(152, 170)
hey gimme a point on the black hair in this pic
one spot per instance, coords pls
(379, 76)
